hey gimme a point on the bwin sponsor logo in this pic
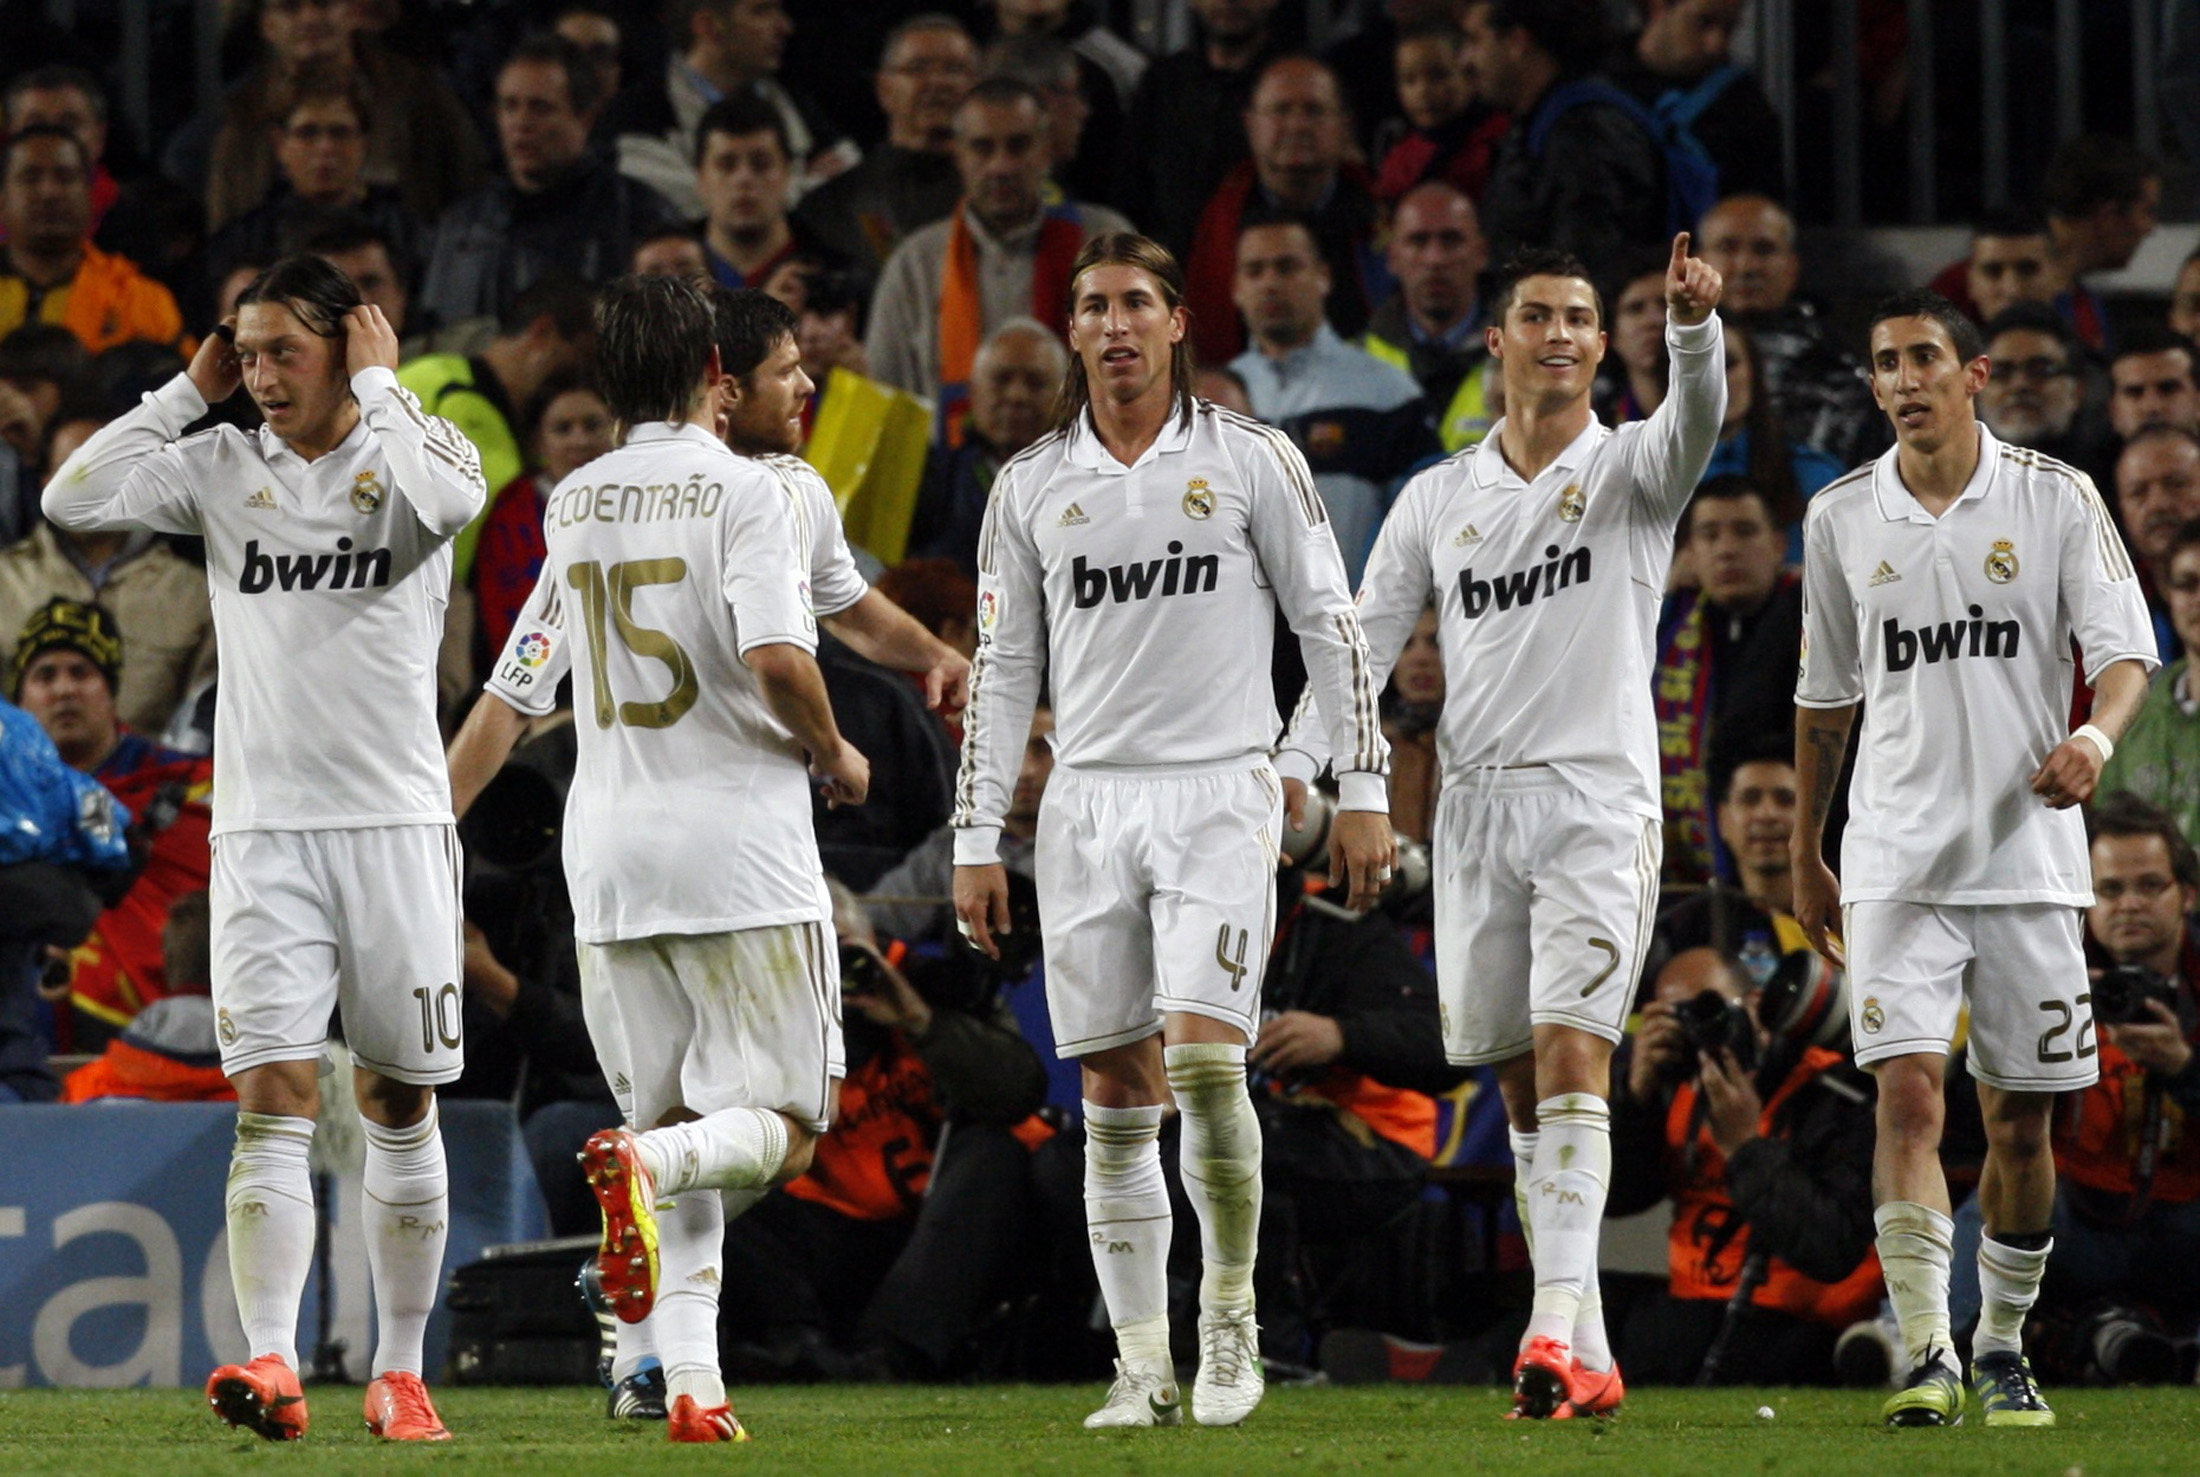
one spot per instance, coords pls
(343, 570)
(1521, 587)
(1122, 583)
(1949, 640)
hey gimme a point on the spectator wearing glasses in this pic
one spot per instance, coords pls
(2035, 393)
(323, 116)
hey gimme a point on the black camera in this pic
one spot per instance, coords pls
(1711, 1022)
(2122, 993)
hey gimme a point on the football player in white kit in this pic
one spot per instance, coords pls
(1943, 587)
(1545, 549)
(708, 967)
(335, 881)
(1135, 559)
(762, 391)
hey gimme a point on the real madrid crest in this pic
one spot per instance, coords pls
(366, 492)
(2001, 562)
(1572, 503)
(1199, 503)
(1875, 1019)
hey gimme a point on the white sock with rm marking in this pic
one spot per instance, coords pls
(691, 1237)
(269, 1204)
(1219, 1156)
(408, 1207)
(1127, 1218)
(1573, 1168)
(1916, 1247)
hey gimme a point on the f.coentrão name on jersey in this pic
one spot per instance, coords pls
(659, 502)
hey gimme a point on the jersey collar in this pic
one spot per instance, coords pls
(667, 431)
(1896, 504)
(1490, 467)
(1084, 448)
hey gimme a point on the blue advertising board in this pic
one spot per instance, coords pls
(114, 1261)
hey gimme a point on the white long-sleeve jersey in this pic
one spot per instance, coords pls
(329, 580)
(1146, 595)
(1547, 592)
(1954, 633)
(668, 559)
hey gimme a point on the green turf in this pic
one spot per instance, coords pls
(994, 1430)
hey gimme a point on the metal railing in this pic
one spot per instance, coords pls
(1780, 28)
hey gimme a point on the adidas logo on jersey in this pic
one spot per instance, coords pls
(1468, 535)
(1126, 582)
(1949, 640)
(1521, 587)
(1072, 517)
(1884, 575)
(263, 500)
(343, 570)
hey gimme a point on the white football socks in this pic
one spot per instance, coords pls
(1573, 1167)
(691, 1236)
(1916, 1246)
(731, 1149)
(2008, 1285)
(1220, 1159)
(635, 1345)
(408, 1213)
(1127, 1219)
(270, 1210)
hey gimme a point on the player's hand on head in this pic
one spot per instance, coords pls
(847, 776)
(981, 905)
(369, 341)
(1692, 285)
(214, 370)
(2070, 775)
(1363, 852)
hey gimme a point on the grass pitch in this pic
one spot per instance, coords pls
(996, 1430)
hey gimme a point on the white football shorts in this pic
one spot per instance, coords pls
(1157, 893)
(746, 1019)
(364, 922)
(2021, 966)
(1544, 901)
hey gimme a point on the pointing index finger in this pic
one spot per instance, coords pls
(1680, 251)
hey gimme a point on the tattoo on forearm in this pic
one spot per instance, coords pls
(1828, 744)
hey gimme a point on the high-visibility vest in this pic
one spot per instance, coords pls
(1466, 419)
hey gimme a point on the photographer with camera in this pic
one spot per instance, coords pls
(1762, 1138)
(2127, 1211)
(1347, 1058)
(883, 1260)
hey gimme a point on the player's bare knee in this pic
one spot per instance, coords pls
(1567, 1060)
(1516, 1085)
(1129, 1076)
(2017, 1123)
(1910, 1103)
(280, 1089)
(391, 1103)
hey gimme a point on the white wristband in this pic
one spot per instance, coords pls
(2101, 741)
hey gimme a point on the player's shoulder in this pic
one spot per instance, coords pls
(1841, 497)
(2036, 470)
(1035, 465)
(793, 473)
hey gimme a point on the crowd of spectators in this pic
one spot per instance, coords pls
(1337, 201)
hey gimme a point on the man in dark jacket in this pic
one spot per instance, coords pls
(1765, 1149)
(885, 1257)
(1576, 172)
(557, 205)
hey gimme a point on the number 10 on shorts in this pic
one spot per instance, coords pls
(440, 1015)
